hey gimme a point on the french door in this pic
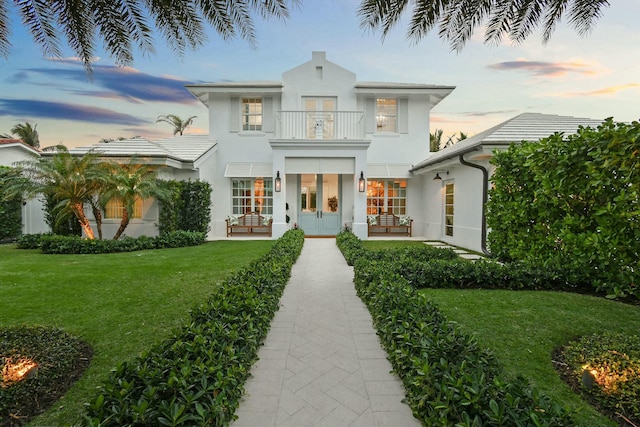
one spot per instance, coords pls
(320, 117)
(320, 204)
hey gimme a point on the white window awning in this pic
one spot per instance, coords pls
(388, 170)
(248, 170)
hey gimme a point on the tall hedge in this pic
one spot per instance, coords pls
(572, 201)
(187, 208)
(10, 210)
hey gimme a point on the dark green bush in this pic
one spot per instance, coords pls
(10, 210)
(606, 369)
(196, 377)
(448, 377)
(350, 246)
(572, 201)
(60, 360)
(186, 206)
(53, 244)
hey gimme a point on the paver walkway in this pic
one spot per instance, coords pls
(322, 364)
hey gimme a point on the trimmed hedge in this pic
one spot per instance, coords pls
(61, 359)
(196, 377)
(10, 210)
(449, 379)
(54, 244)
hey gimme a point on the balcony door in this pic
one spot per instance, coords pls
(320, 204)
(320, 117)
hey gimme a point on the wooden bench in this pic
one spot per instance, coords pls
(249, 223)
(389, 224)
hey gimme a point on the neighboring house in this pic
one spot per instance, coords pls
(456, 179)
(317, 131)
(11, 152)
(188, 157)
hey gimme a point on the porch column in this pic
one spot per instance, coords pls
(359, 226)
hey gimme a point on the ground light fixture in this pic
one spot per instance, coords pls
(361, 182)
(278, 183)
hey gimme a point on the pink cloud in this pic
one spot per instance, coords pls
(543, 68)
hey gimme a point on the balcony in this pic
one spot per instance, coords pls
(320, 125)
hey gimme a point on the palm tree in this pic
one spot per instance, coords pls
(458, 19)
(435, 139)
(27, 133)
(70, 180)
(128, 183)
(179, 125)
(123, 26)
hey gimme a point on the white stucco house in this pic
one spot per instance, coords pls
(323, 150)
(13, 151)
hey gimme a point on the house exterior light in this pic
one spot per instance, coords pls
(278, 183)
(361, 182)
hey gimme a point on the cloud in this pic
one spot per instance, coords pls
(544, 69)
(124, 82)
(65, 111)
(609, 90)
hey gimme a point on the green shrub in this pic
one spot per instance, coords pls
(606, 370)
(197, 376)
(449, 379)
(60, 360)
(53, 244)
(186, 206)
(10, 210)
(572, 201)
(350, 246)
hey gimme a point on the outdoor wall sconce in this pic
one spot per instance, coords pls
(361, 183)
(278, 183)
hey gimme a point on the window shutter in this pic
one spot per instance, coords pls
(267, 114)
(403, 115)
(370, 115)
(234, 114)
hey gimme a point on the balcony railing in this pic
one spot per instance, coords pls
(320, 125)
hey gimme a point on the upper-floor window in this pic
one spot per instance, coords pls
(252, 114)
(386, 115)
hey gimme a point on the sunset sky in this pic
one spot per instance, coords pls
(597, 76)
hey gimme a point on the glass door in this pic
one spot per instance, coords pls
(320, 117)
(320, 204)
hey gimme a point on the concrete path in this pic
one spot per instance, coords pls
(322, 364)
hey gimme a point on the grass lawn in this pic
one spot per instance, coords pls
(121, 304)
(523, 328)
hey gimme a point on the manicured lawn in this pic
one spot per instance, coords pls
(523, 328)
(120, 304)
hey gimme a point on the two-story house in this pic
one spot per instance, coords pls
(318, 147)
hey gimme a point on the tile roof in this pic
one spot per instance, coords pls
(185, 148)
(524, 127)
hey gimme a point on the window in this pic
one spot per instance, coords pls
(386, 115)
(251, 114)
(448, 209)
(114, 208)
(252, 195)
(387, 196)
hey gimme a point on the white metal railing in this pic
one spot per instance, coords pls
(320, 125)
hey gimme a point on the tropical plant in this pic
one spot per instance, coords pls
(71, 180)
(435, 139)
(179, 125)
(10, 209)
(128, 183)
(27, 133)
(457, 20)
(122, 25)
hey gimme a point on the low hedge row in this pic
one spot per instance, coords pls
(196, 377)
(449, 379)
(54, 244)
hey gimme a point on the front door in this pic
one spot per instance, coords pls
(320, 205)
(320, 117)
